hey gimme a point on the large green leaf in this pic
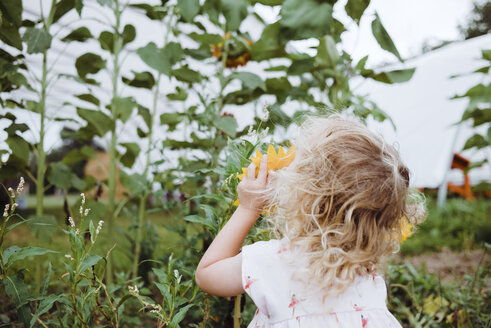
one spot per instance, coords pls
(135, 183)
(153, 12)
(17, 291)
(100, 121)
(11, 11)
(186, 74)
(250, 80)
(64, 6)
(269, 44)
(383, 38)
(234, 11)
(144, 112)
(129, 157)
(106, 40)
(205, 39)
(396, 76)
(179, 316)
(171, 119)
(140, 80)
(37, 40)
(227, 124)
(304, 19)
(19, 147)
(161, 59)
(89, 261)
(78, 154)
(122, 108)
(88, 97)
(15, 253)
(486, 54)
(356, 8)
(44, 306)
(89, 63)
(60, 175)
(327, 54)
(129, 33)
(189, 9)
(477, 141)
(80, 34)
(10, 35)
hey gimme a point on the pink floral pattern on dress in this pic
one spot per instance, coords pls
(249, 281)
(364, 321)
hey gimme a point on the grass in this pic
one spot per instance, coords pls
(459, 225)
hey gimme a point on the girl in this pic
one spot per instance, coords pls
(338, 209)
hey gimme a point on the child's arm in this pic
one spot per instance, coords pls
(220, 270)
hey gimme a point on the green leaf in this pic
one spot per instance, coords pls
(129, 33)
(171, 119)
(10, 35)
(154, 57)
(89, 261)
(186, 74)
(179, 95)
(122, 108)
(45, 283)
(198, 219)
(80, 34)
(206, 39)
(11, 11)
(383, 38)
(37, 40)
(269, 44)
(356, 8)
(19, 147)
(189, 9)
(78, 183)
(327, 54)
(153, 12)
(234, 11)
(59, 174)
(76, 155)
(89, 63)
(486, 54)
(299, 67)
(304, 19)
(144, 112)
(140, 80)
(106, 40)
(61, 8)
(227, 124)
(179, 316)
(17, 291)
(100, 121)
(250, 80)
(44, 306)
(43, 227)
(129, 157)
(396, 76)
(88, 98)
(135, 183)
(269, 2)
(15, 253)
(477, 141)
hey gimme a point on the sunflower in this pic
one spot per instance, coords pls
(238, 50)
(406, 229)
(276, 161)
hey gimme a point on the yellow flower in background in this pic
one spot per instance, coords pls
(406, 229)
(276, 161)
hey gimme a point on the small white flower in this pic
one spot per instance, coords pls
(251, 131)
(133, 290)
(87, 210)
(6, 211)
(99, 227)
(157, 307)
(20, 187)
(176, 273)
(265, 113)
(12, 193)
(77, 231)
(68, 256)
(72, 223)
(263, 133)
(14, 206)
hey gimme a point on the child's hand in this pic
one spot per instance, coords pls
(251, 189)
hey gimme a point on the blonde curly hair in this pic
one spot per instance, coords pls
(343, 199)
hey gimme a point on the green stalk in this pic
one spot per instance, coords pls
(41, 160)
(112, 151)
(143, 198)
(237, 312)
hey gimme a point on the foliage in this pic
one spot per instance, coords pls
(458, 225)
(480, 20)
(419, 299)
(206, 65)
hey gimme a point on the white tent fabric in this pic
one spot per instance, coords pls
(426, 116)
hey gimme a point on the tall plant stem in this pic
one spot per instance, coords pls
(112, 150)
(41, 159)
(143, 198)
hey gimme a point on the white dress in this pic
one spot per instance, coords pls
(283, 302)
